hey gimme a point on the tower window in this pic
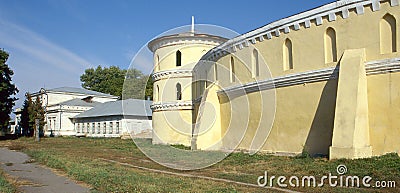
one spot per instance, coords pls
(157, 94)
(215, 72)
(178, 91)
(178, 58)
(232, 70)
(157, 62)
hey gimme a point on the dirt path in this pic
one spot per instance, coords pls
(32, 178)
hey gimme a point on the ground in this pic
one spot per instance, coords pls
(115, 165)
(31, 177)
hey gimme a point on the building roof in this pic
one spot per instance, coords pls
(286, 25)
(66, 89)
(188, 36)
(79, 102)
(128, 107)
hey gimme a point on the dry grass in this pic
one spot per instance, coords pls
(80, 158)
(7, 183)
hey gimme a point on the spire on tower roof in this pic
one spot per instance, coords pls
(192, 30)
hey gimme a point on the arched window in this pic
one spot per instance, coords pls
(157, 94)
(215, 72)
(388, 34)
(205, 79)
(330, 46)
(255, 67)
(287, 55)
(178, 58)
(178, 91)
(157, 62)
(232, 70)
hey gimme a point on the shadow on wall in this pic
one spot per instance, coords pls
(319, 138)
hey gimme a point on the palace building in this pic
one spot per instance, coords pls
(325, 81)
(71, 111)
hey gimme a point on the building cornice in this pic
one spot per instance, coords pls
(71, 93)
(179, 73)
(170, 106)
(185, 38)
(372, 68)
(286, 25)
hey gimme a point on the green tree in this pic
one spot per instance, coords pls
(135, 84)
(25, 118)
(149, 87)
(105, 80)
(115, 81)
(39, 114)
(31, 111)
(7, 91)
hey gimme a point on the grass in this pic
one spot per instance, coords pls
(179, 146)
(5, 185)
(81, 159)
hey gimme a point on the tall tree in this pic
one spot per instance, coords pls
(31, 111)
(7, 91)
(106, 80)
(135, 84)
(38, 112)
(131, 83)
(26, 124)
(149, 87)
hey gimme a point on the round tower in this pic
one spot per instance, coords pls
(174, 58)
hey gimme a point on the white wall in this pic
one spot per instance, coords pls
(127, 126)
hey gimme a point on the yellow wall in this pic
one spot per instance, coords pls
(173, 124)
(384, 111)
(305, 113)
(172, 127)
(191, 54)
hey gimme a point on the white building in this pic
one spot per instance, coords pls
(61, 104)
(123, 118)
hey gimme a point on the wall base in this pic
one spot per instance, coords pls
(349, 153)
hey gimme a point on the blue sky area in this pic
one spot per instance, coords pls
(52, 42)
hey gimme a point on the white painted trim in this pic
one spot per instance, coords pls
(179, 39)
(329, 10)
(170, 106)
(372, 68)
(179, 73)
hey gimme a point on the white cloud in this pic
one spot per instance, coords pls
(38, 62)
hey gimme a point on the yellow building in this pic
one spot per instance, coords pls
(325, 81)
(174, 59)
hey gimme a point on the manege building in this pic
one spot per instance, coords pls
(325, 81)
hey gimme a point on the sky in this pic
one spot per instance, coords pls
(52, 42)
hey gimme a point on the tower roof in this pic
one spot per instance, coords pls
(185, 38)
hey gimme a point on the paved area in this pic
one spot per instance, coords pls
(33, 177)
